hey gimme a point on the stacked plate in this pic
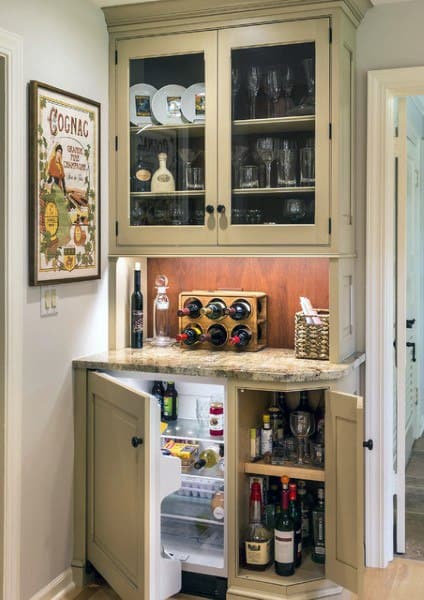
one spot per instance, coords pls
(170, 105)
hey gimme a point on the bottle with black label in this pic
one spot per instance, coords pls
(170, 402)
(137, 310)
(142, 173)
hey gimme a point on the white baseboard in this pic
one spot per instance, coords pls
(58, 588)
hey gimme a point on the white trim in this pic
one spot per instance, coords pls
(58, 588)
(383, 86)
(11, 48)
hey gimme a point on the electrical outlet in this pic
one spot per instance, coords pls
(48, 300)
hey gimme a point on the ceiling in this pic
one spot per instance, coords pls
(117, 2)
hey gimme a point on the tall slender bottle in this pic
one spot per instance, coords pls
(318, 527)
(161, 313)
(137, 310)
(284, 535)
(297, 522)
(258, 538)
(276, 417)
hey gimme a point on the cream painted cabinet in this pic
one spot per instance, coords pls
(252, 116)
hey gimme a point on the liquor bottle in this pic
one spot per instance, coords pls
(162, 180)
(305, 512)
(208, 458)
(191, 309)
(276, 417)
(170, 402)
(158, 391)
(240, 336)
(304, 404)
(215, 309)
(216, 335)
(266, 436)
(320, 424)
(284, 535)
(318, 528)
(137, 310)
(257, 538)
(240, 309)
(190, 335)
(142, 173)
(294, 511)
(282, 403)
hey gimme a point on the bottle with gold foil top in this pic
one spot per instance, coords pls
(162, 181)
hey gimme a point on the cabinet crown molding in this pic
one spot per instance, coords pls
(142, 13)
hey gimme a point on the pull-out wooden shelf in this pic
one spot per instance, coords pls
(307, 472)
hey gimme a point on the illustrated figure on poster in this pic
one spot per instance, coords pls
(55, 170)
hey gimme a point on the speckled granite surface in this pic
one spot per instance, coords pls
(270, 364)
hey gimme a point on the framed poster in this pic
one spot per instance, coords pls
(64, 186)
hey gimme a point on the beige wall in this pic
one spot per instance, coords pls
(65, 45)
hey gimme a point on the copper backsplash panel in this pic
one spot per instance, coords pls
(282, 279)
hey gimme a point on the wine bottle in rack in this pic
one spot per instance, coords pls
(190, 335)
(215, 309)
(191, 309)
(240, 309)
(216, 335)
(240, 336)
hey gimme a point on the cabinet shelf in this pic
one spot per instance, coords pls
(308, 571)
(272, 191)
(308, 472)
(176, 194)
(193, 129)
(190, 429)
(274, 125)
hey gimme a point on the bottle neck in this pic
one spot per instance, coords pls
(137, 280)
(285, 499)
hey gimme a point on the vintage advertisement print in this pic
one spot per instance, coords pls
(64, 186)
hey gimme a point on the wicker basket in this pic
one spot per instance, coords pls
(312, 341)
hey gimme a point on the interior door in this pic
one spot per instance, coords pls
(127, 479)
(344, 472)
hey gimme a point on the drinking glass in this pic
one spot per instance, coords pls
(287, 164)
(253, 85)
(302, 426)
(307, 166)
(294, 210)
(188, 155)
(203, 404)
(239, 153)
(287, 79)
(195, 179)
(307, 105)
(238, 216)
(266, 150)
(272, 88)
(235, 87)
(249, 176)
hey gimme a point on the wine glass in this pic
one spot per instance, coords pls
(272, 88)
(253, 85)
(307, 106)
(188, 155)
(302, 425)
(235, 87)
(265, 148)
(239, 153)
(287, 84)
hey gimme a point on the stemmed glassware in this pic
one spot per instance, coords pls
(253, 85)
(266, 147)
(287, 85)
(235, 88)
(272, 88)
(302, 425)
(188, 155)
(307, 106)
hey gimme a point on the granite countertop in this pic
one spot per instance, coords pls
(270, 364)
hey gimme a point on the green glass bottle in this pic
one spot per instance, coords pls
(318, 526)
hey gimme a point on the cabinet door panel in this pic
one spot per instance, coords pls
(344, 488)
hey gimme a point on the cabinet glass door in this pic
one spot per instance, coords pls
(274, 172)
(166, 140)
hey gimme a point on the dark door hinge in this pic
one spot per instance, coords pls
(116, 143)
(330, 131)
(116, 57)
(330, 35)
(329, 226)
(116, 228)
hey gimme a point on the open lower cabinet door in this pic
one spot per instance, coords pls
(127, 480)
(344, 489)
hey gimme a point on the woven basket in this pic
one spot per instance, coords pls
(312, 341)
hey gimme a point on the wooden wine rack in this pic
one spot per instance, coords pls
(256, 322)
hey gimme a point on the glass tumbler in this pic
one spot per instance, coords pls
(249, 176)
(307, 166)
(202, 410)
(287, 167)
(195, 178)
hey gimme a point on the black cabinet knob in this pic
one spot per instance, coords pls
(368, 444)
(220, 208)
(136, 441)
(210, 209)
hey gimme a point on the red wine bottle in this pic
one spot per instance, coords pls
(190, 335)
(137, 310)
(191, 309)
(294, 511)
(240, 336)
(284, 536)
(216, 335)
(240, 309)
(215, 309)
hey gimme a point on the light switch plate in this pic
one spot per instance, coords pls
(48, 300)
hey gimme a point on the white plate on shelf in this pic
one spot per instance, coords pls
(166, 104)
(193, 103)
(141, 95)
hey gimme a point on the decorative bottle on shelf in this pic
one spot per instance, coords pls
(277, 425)
(284, 535)
(191, 309)
(240, 309)
(294, 511)
(240, 336)
(142, 174)
(258, 538)
(170, 402)
(190, 335)
(318, 528)
(216, 335)
(215, 309)
(162, 180)
(137, 310)
(266, 435)
(161, 313)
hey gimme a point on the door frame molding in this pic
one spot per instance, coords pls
(13, 249)
(380, 482)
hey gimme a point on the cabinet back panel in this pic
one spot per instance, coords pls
(282, 279)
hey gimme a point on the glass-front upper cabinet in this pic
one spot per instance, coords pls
(166, 143)
(274, 129)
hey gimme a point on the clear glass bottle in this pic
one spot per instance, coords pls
(161, 313)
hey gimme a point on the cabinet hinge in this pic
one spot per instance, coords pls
(330, 35)
(116, 228)
(329, 226)
(116, 143)
(330, 131)
(116, 57)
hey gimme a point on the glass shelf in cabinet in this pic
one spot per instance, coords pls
(189, 508)
(190, 429)
(191, 128)
(274, 125)
(270, 191)
(175, 194)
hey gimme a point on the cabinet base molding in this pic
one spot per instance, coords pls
(333, 592)
(57, 589)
